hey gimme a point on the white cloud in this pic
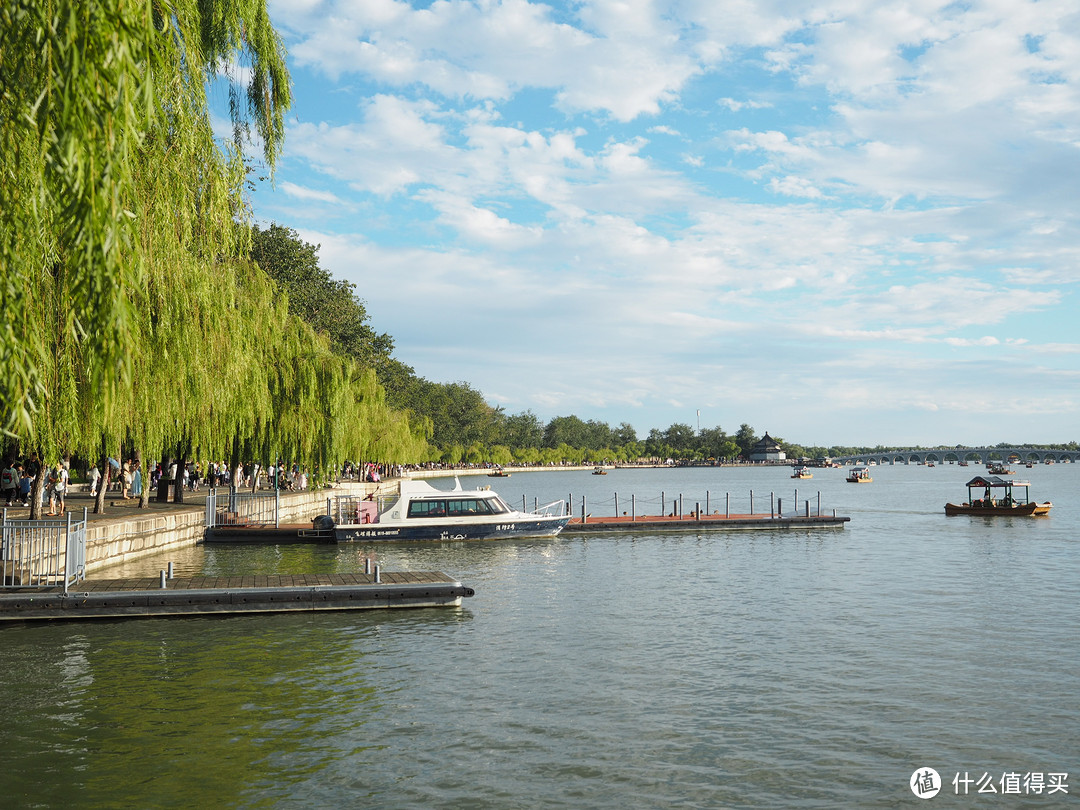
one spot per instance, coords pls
(840, 181)
(309, 194)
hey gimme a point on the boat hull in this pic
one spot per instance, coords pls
(391, 532)
(1021, 510)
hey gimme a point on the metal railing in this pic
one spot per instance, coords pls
(348, 509)
(233, 508)
(42, 553)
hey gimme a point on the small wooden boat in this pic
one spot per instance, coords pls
(599, 471)
(499, 473)
(801, 472)
(1011, 502)
(859, 475)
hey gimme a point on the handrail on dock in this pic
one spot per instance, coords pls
(42, 553)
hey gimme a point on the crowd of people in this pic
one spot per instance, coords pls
(129, 479)
(17, 482)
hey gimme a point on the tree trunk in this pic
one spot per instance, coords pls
(181, 463)
(35, 493)
(103, 485)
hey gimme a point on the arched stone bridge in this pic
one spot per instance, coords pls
(953, 455)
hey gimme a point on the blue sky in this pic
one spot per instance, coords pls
(841, 222)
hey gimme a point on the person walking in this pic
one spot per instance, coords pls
(58, 483)
(9, 482)
(26, 483)
(125, 481)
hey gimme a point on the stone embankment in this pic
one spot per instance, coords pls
(124, 532)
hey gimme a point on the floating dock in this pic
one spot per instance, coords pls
(186, 596)
(624, 523)
(691, 523)
(256, 533)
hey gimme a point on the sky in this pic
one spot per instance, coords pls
(847, 223)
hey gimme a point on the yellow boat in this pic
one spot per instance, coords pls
(859, 475)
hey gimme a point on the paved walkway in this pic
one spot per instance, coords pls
(116, 509)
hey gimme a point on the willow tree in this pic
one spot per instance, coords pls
(112, 183)
(96, 100)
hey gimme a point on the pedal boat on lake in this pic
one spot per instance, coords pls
(859, 475)
(422, 512)
(599, 471)
(498, 472)
(801, 472)
(1013, 499)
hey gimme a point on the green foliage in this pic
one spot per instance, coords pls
(89, 93)
(745, 439)
(327, 305)
(131, 314)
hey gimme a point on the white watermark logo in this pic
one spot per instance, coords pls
(925, 783)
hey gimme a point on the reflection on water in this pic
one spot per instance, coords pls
(703, 670)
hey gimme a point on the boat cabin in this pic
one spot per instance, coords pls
(991, 485)
(456, 506)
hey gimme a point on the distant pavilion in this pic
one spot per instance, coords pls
(767, 450)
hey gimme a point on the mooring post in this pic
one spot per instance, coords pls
(524, 504)
(751, 502)
(378, 573)
(680, 506)
(772, 505)
(633, 508)
(367, 566)
(663, 505)
(727, 504)
(706, 502)
(807, 507)
(583, 516)
(819, 503)
(796, 501)
(616, 504)
(170, 569)
(162, 581)
(697, 511)
(780, 507)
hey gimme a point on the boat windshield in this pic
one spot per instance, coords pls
(453, 507)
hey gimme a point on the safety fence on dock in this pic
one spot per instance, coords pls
(42, 553)
(237, 508)
(680, 505)
(345, 509)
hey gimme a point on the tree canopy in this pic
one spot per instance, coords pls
(133, 315)
(93, 96)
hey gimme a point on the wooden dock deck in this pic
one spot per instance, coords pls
(690, 523)
(186, 596)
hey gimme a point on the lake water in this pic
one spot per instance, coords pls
(701, 670)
